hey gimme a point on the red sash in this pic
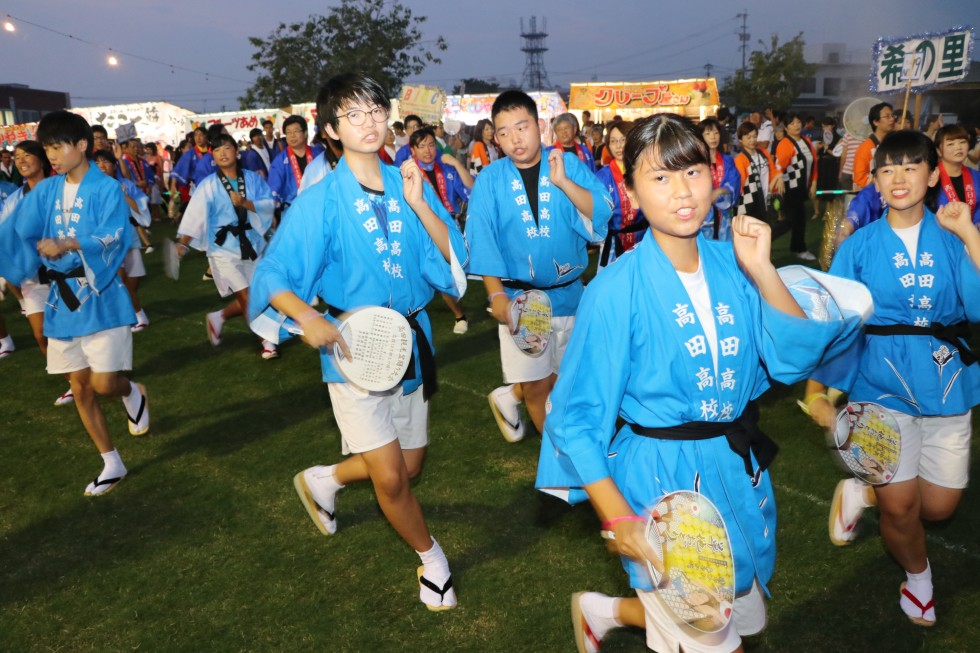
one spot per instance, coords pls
(440, 184)
(968, 189)
(297, 175)
(717, 171)
(136, 168)
(578, 150)
(199, 152)
(625, 208)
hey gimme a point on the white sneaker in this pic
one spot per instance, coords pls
(589, 627)
(845, 511)
(67, 398)
(805, 256)
(214, 323)
(307, 483)
(461, 326)
(139, 326)
(507, 411)
(148, 250)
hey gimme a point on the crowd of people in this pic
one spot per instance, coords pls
(649, 379)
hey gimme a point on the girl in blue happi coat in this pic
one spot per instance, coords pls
(681, 330)
(923, 270)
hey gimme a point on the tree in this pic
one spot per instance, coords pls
(775, 76)
(359, 35)
(473, 85)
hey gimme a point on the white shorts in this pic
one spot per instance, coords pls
(231, 273)
(133, 263)
(35, 296)
(370, 420)
(936, 449)
(103, 351)
(665, 635)
(518, 367)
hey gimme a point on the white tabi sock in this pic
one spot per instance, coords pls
(436, 570)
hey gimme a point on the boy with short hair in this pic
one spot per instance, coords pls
(530, 219)
(452, 183)
(78, 222)
(404, 153)
(228, 217)
(132, 269)
(368, 235)
(287, 169)
(922, 269)
(256, 157)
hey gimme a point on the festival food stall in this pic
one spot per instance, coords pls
(694, 98)
(10, 135)
(471, 109)
(156, 122)
(238, 123)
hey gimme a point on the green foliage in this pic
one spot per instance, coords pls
(775, 77)
(381, 39)
(473, 85)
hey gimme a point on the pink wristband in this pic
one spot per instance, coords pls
(307, 316)
(609, 523)
(494, 294)
(607, 532)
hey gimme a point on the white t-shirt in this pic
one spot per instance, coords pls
(68, 197)
(765, 132)
(697, 288)
(910, 236)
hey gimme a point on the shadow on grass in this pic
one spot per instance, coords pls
(100, 533)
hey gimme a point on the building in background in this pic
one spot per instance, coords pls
(841, 77)
(20, 104)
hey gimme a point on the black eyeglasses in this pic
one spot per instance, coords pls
(357, 117)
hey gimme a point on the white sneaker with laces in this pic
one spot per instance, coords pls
(845, 511)
(507, 412)
(461, 326)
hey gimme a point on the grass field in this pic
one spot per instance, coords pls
(205, 546)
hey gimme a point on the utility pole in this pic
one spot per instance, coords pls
(707, 69)
(743, 35)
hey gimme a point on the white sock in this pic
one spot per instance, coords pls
(141, 317)
(920, 584)
(435, 569)
(603, 607)
(113, 465)
(600, 612)
(7, 344)
(326, 488)
(132, 400)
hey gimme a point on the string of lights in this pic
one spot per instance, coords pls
(113, 54)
